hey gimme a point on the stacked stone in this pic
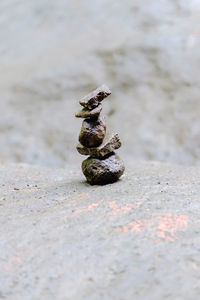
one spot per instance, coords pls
(103, 166)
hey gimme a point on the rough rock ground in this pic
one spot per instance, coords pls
(135, 239)
(54, 52)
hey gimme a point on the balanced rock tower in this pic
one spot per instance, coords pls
(103, 165)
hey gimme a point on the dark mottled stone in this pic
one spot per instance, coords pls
(108, 146)
(92, 132)
(103, 171)
(103, 166)
(86, 113)
(93, 99)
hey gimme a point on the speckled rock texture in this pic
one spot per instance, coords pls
(93, 99)
(103, 171)
(109, 145)
(92, 132)
(62, 238)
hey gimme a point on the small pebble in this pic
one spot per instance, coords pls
(103, 171)
(108, 146)
(93, 99)
(86, 113)
(92, 132)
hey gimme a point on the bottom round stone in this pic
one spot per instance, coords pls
(103, 171)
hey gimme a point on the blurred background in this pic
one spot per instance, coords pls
(54, 52)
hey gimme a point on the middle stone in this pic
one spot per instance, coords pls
(92, 132)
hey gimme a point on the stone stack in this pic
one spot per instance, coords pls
(103, 166)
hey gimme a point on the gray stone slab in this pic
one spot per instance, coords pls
(135, 239)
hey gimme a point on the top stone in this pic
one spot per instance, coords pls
(93, 99)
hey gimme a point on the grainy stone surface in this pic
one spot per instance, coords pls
(103, 171)
(63, 239)
(92, 132)
(93, 99)
(109, 145)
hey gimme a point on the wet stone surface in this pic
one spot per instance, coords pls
(92, 132)
(103, 171)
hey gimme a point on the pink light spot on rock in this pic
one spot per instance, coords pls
(126, 207)
(193, 38)
(114, 209)
(83, 196)
(14, 261)
(117, 211)
(112, 205)
(136, 226)
(164, 227)
(169, 224)
(77, 212)
(125, 229)
(86, 209)
(92, 206)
